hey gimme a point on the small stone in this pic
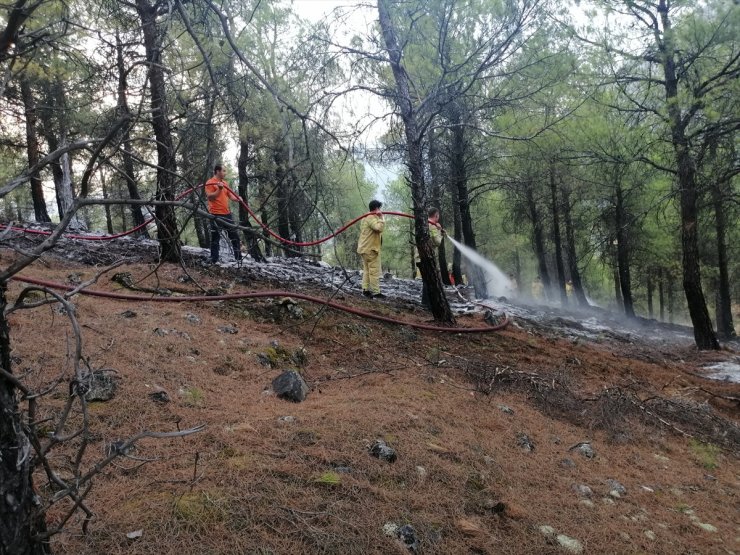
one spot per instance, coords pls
(99, 385)
(546, 530)
(407, 535)
(649, 534)
(228, 329)
(705, 526)
(287, 419)
(505, 409)
(615, 494)
(381, 450)
(421, 472)
(582, 490)
(710, 477)
(607, 500)
(649, 490)
(523, 441)
(571, 545)
(567, 463)
(390, 529)
(625, 536)
(585, 449)
(160, 397)
(135, 534)
(587, 503)
(193, 318)
(128, 314)
(615, 486)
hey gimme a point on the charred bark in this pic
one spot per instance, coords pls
(704, 335)
(167, 232)
(128, 160)
(250, 238)
(623, 252)
(538, 239)
(32, 151)
(428, 262)
(725, 326)
(556, 239)
(570, 244)
(459, 179)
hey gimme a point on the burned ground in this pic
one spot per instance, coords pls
(517, 441)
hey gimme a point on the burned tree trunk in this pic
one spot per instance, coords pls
(250, 237)
(725, 327)
(570, 244)
(556, 235)
(428, 263)
(459, 179)
(538, 239)
(32, 150)
(167, 232)
(703, 333)
(623, 253)
(128, 159)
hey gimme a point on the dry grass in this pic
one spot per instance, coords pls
(251, 483)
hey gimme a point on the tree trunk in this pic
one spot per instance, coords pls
(538, 240)
(137, 213)
(661, 294)
(428, 262)
(32, 150)
(457, 235)
(623, 253)
(570, 245)
(618, 289)
(703, 333)
(725, 327)
(21, 517)
(167, 232)
(283, 196)
(250, 237)
(436, 201)
(650, 290)
(106, 207)
(459, 178)
(556, 236)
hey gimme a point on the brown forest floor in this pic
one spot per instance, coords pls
(252, 483)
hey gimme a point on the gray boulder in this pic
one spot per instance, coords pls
(290, 386)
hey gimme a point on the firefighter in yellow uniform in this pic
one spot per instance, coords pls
(368, 247)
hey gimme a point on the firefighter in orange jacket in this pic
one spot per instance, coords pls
(218, 205)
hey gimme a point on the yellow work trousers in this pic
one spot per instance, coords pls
(371, 272)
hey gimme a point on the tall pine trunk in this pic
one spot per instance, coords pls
(703, 333)
(137, 213)
(167, 232)
(725, 327)
(623, 252)
(556, 239)
(570, 244)
(427, 261)
(242, 168)
(32, 151)
(538, 239)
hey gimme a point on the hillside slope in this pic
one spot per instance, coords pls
(528, 440)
